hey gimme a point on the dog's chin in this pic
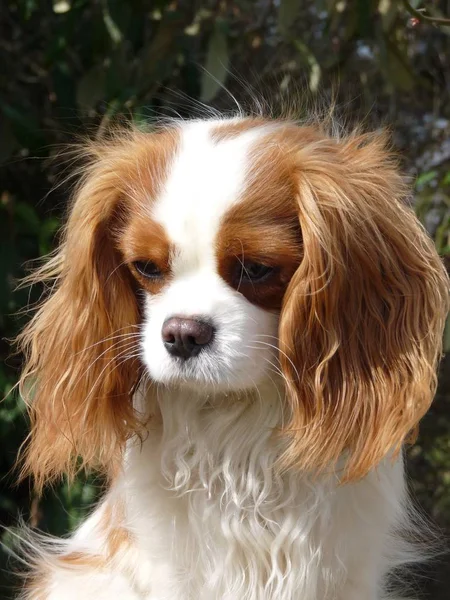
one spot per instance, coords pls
(200, 379)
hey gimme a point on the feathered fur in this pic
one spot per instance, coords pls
(269, 466)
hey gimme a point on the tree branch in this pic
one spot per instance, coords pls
(418, 14)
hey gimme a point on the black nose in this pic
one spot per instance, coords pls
(186, 337)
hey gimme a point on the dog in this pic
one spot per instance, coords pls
(241, 331)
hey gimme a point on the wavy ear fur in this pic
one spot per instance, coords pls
(362, 319)
(80, 346)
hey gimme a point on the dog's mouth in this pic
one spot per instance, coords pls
(205, 370)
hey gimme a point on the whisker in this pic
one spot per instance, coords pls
(281, 352)
(276, 367)
(107, 339)
(121, 344)
(115, 358)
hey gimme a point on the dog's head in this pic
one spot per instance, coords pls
(211, 254)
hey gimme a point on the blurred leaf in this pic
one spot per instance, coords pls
(388, 10)
(118, 75)
(46, 233)
(442, 236)
(394, 63)
(425, 178)
(27, 217)
(61, 6)
(422, 206)
(313, 65)
(24, 125)
(91, 87)
(64, 84)
(141, 117)
(287, 13)
(399, 70)
(216, 66)
(112, 28)
(28, 8)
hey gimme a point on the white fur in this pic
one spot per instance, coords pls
(211, 517)
(212, 520)
(206, 180)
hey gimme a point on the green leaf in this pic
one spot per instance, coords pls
(114, 32)
(28, 8)
(313, 65)
(118, 74)
(91, 88)
(46, 233)
(442, 235)
(394, 62)
(216, 67)
(399, 70)
(25, 125)
(287, 14)
(28, 218)
(422, 206)
(140, 117)
(425, 178)
(388, 10)
(61, 6)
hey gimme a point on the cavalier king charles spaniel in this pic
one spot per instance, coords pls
(241, 332)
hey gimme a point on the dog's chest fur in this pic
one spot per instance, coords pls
(212, 519)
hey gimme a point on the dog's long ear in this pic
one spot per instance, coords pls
(79, 373)
(362, 320)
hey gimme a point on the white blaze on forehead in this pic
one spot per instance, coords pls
(205, 180)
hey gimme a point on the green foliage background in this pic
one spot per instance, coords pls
(71, 67)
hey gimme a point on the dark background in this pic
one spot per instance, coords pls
(74, 67)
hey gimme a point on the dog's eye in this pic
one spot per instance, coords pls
(253, 271)
(147, 269)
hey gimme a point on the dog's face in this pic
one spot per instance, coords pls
(212, 254)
